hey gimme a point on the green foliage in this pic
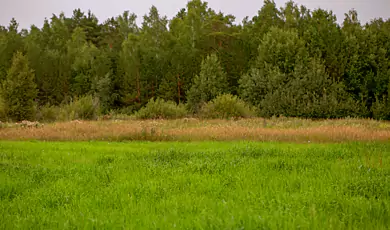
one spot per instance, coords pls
(102, 88)
(255, 29)
(226, 106)
(291, 104)
(210, 83)
(367, 72)
(83, 56)
(129, 83)
(129, 110)
(381, 109)
(11, 41)
(283, 49)
(200, 54)
(161, 109)
(285, 81)
(47, 51)
(280, 52)
(325, 40)
(49, 113)
(3, 109)
(19, 90)
(322, 97)
(83, 108)
(254, 85)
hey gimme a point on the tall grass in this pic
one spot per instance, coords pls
(274, 129)
(210, 185)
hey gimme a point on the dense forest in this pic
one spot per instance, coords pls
(288, 61)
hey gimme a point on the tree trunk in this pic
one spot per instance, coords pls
(178, 88)
(138, 88)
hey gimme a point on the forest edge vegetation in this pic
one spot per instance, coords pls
(288, 61)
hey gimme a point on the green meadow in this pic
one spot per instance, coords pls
(197, 185)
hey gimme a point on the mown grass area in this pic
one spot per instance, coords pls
(198, 185)
(189, 129)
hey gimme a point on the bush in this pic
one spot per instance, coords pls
(129, 110)
(84, 108)
(380, 109)
(48, 113)
(309, 105)
(226, 106)
(161, 109)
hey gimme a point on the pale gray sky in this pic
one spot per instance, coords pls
(28, 12)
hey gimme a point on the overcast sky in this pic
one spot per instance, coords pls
(28, 12)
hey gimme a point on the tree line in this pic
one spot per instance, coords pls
(287, 61)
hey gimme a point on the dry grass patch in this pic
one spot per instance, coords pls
(276, 129)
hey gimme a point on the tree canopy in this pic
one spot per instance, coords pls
(287, 61)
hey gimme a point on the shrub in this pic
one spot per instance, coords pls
(84, 108)
(129, 110)
(117, 115)
(87, 108)
(48, 113)
(380, 109)
(306, 91)
(309, 105)
(226, 106)
(159, 109)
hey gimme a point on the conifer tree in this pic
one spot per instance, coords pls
(210, 83)
(19, 89)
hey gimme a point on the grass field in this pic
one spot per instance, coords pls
(198, 185)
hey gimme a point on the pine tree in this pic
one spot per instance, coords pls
(130, 87)
(19, 89)
(210, 83)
